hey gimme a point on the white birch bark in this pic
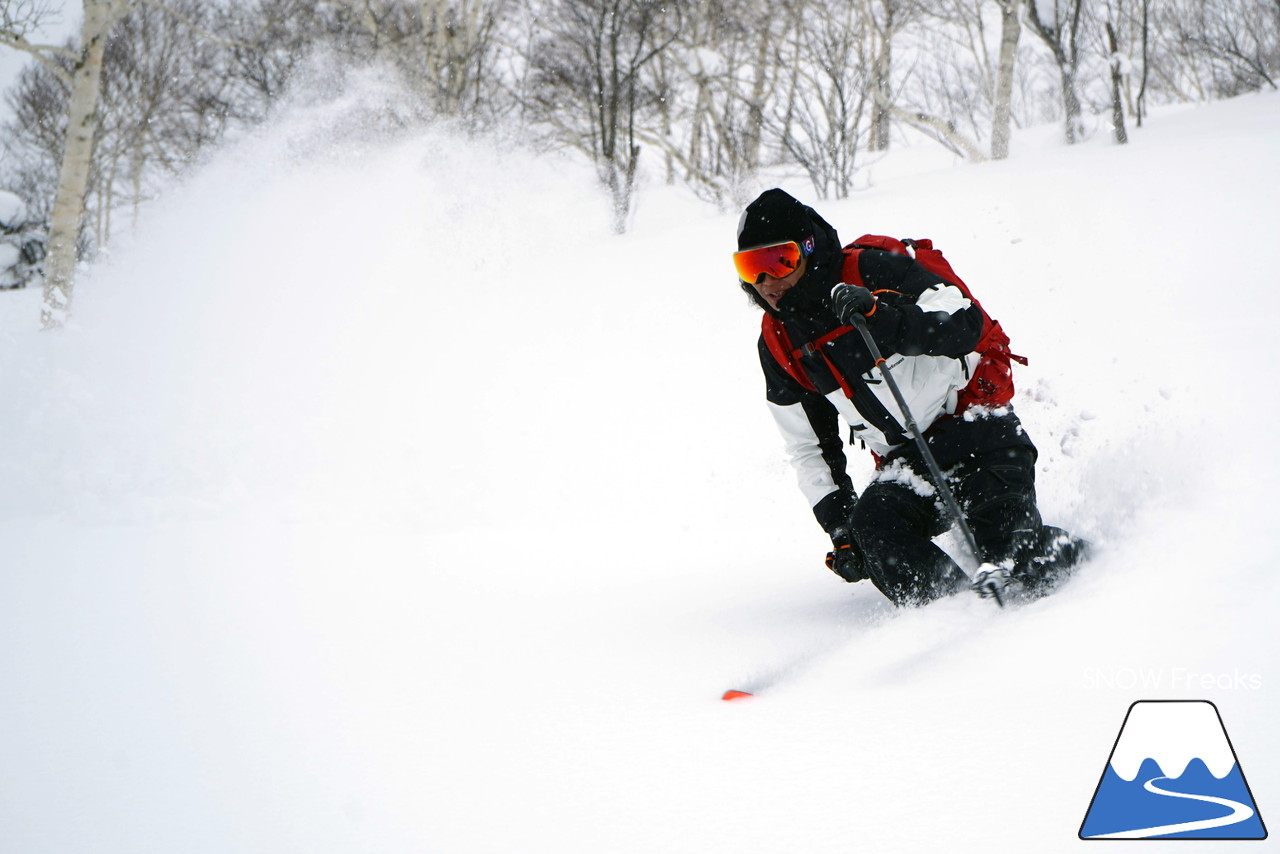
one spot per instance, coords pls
(1010, 30)
(67, 215)
(881, 22)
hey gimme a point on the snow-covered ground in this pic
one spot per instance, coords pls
(379, 499)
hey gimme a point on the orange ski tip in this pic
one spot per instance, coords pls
(736, 695)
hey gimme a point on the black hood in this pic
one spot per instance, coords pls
(811, 294)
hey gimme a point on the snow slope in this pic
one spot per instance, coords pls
(379, 499)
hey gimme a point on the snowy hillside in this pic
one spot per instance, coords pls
(379, 499)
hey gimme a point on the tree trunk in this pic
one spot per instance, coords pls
(880, 113)
(695, 161)
(432, 15)
(1071, 104)
(1141, 106)
(73, 178)
(1010, 30)
(1117, 80)
(880, 20)
(1061, 36)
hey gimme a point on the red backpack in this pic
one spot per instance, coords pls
(992, 381)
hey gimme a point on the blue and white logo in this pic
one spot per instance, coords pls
(1173, 774)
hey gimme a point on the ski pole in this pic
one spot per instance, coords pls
(944, 491)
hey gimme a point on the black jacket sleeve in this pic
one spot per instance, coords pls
(902, 326)
(832, 511)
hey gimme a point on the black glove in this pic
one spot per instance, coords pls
(846, 562)
(848, 301)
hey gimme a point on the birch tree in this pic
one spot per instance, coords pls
(267, 43)
(715, 86)
(960, 87)
(823, 125)
(1002, 121)
(445, 48)
(83, 79)
(458, 39)
(884, 20)
(588, 84)
(1140, 102)
(1060, 25)
(1118, 66)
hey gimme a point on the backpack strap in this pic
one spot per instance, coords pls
(819, 346)
(788, 356)
(779, 344)
(849, 272)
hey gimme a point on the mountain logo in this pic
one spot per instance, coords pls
(1173, 774)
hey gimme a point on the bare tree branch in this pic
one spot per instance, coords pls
(944, 128)
(212, 38)
(42, 53)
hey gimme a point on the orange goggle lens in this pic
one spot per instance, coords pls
(778, 260)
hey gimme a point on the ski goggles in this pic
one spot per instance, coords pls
(778, 260)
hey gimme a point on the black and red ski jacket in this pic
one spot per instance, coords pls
(925, 327)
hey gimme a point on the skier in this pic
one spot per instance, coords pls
(791, 263)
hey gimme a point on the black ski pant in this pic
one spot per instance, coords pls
(989, 463)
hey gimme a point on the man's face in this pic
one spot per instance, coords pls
(771, 290)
